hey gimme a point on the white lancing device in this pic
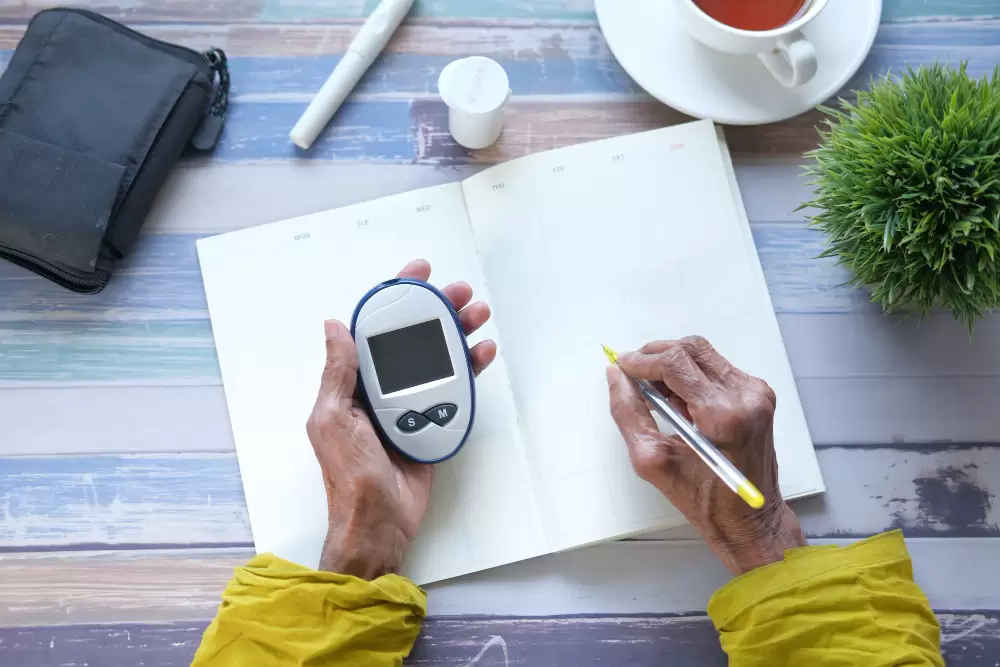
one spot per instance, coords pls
(367, 45)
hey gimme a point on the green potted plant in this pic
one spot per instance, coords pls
(908, 191)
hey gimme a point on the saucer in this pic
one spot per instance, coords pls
(660, 55)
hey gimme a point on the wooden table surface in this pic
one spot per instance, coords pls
(121, 510)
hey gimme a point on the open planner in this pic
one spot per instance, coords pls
(620, 241)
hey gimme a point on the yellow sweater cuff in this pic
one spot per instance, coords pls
(829, 606)
(278, 613)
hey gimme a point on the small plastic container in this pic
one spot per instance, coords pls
(476, 91)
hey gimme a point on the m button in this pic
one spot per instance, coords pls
(442, 414)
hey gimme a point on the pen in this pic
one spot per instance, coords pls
(702, 446)
(367, 45)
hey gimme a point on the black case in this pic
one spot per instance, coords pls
(93, 116)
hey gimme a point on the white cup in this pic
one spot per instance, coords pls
(787, 54)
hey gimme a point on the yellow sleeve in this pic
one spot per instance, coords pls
(830, 606)
(276, 613)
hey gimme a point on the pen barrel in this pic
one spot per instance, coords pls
(702, 446)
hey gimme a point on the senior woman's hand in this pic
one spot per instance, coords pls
(376, 499)
(736, 412)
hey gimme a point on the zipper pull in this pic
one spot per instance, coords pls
(206, 136)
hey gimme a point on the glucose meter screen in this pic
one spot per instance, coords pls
(411, 356)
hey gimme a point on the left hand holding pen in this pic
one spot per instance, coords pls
(376, 500)
(736, 412)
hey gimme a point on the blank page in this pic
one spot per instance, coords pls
(269, 289)
(621, 241)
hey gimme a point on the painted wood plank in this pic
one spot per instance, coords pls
(841, 411)
(894, 346)
(301, 10)
(54, 351)
(161, 280)
(152, 324)
(930, 491)
(143, 10)
(533, 126)
(121, 500)
(291, 61)
(617, 578)
(417, 75)
(415, 130)
(113, 420)
(114, 586)
(910, 10)
(901, 410)
(407, 132)
(252, 45)
(266, 62)
(94, 502)
(198, 197)
(298, 10)
(325, 10)
(969, 639)
(531, 41)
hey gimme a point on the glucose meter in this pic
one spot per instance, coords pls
(415, 370)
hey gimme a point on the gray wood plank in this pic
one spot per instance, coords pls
(113, 420)
(199, 198)
(901, 410)
(159, 500)
(896, 346)
(647, 577)
(969, 639)
(840, 411)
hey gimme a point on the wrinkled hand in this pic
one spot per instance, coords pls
(376, 499)
(736, 412)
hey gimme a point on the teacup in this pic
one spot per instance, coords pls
(784, 50)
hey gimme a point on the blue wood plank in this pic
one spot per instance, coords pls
(161, 283)
(415, 74)
(103, 501)
(969, 639)
(122, 500)
(364, 130)
(298, 10)
(923, 10)
(798, 280)
(162, 276)
(478, 10)
(20, 11)
(418, 74)
(392, 129)
(106, 350)
(288, 10)
(152, 320)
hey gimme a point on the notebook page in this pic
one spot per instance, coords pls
(621, 241)
(269, 289)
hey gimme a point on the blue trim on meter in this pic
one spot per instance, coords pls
(468, 362)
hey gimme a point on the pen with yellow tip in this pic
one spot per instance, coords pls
(702, 446)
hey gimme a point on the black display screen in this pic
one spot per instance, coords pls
(411, 356)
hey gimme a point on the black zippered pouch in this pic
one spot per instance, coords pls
(93, 116)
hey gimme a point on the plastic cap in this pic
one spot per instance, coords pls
(476, 91)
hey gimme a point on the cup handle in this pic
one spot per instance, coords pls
(792, 60)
